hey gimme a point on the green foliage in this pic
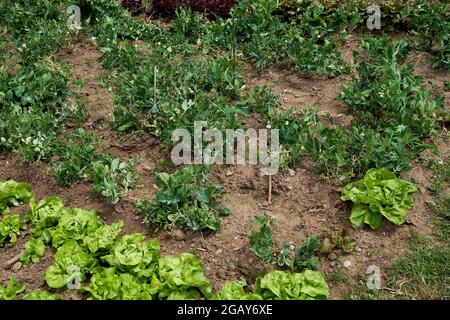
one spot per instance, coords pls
(96, 260)
(9, 292)
(307, 45)
(279, 285)
(131, 254)
(13, 194)
(428, 20)
(234, 290)
(42, 295)
(113, 178)
(33, 251)
(74, 224)
(76, 157)
(107, 284)
(261, 241)
(71, 263)
(379, 194)
(337, 239)
(182, 278)
(302, 258)
(305, 255)
(392, 116)
(45, 216)
(185, 199)
(103, 238)
(10, 227)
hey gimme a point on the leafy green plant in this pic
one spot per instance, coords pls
(337, 239)
(13, 194)
(113, 178)
(33, 251)
(10, 227)
(428, 20)
(182, 278)
(74, 224)
(302, 258)
(379, 194)
(131, 254)
(279, 285)
(76, 157)
(107, 284)
(261, 241)
(234, 290)
(42, 295)
(70, 262)
(9, 292)
(186, 199)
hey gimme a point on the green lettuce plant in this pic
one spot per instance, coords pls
(380, 194)
(13, 194)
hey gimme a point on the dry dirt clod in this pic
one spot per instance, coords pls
(179, 235)
(17, 266)
(229, 173)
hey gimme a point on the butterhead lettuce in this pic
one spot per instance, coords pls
(380, 194)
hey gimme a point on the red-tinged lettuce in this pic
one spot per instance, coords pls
(379, 194)
(13, 194)
(280, 285)
(131, 254)
(182, 278)
(71, 263)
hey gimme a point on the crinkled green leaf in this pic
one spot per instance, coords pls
(10, 227)
(131, 254)
(234, 290)
(13, 194)
(379, 194)
(34, 249)
(42, 295)
(180, 274)
(103, 238)
(45, 214)
(10, 291)
(279, 285)
(75, 224)
(107, 284)
(70, 261)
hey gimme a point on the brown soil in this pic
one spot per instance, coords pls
(303, 203)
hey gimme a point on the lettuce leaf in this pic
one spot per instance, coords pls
(182, 278)
(107, 284)
(131, 254)
(71, 262)
(13, 194)
(33, 251)
(280, 285)
(12, 290)
(234, 290)
(379, 194)
(75, 224)
(10, 227)
(45, 214)
(103, 237)
(42, 295)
